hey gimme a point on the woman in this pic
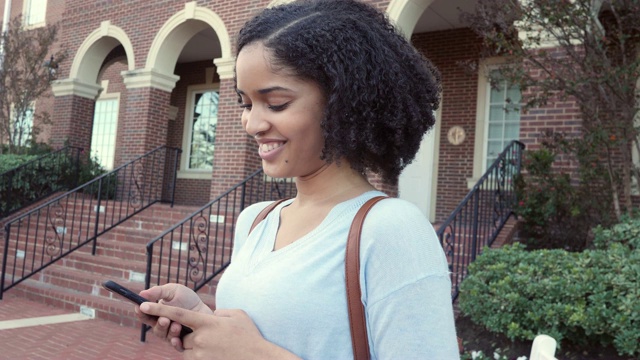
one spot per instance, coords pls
(329, 90)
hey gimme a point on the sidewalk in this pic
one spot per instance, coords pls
(84, 339)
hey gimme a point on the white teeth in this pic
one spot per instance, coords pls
(270, 146)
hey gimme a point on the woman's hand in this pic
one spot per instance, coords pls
(225, 334)
(173, 295)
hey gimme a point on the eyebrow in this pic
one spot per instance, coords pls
(266, 90)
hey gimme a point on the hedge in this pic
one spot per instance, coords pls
(586, 297)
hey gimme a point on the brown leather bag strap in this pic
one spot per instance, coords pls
(357, 320)
(263, 214)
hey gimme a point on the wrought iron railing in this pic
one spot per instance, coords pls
(53, 230)
(196, 250)
(478, 219)
(39, 178)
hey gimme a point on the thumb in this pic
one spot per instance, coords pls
(157, 293)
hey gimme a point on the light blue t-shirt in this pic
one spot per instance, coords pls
(297, 297)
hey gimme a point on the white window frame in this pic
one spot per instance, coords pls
(185, 172)
(26, 11)
(25, 141)
(487, 123)
(108, 96)
(482, 117)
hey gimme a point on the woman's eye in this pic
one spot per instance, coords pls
(245, 106)
(278, 107)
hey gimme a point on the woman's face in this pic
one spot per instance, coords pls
(283, 112)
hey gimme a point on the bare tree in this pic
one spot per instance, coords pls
(27, 67)
(584, 50)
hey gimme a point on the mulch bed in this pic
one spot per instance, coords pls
(476, 337)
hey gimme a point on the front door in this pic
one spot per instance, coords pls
(417, 179)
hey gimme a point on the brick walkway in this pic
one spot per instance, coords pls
(87, 339)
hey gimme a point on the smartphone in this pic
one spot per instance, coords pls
(133, 297)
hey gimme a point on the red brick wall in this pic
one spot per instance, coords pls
(446, 49)
(74, 118)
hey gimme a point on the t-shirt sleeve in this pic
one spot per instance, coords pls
(406, 285)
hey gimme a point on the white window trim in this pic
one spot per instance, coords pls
(184, 172)
(482, 124)
(12, 116)
(25, 11)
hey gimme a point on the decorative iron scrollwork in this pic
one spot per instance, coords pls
(54, 242)
(198, 244)
(137, 185)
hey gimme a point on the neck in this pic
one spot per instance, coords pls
(331, 184)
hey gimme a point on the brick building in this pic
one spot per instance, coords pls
(144, 73)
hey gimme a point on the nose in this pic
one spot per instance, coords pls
(254, 121)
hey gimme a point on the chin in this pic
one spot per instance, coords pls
(275, 172)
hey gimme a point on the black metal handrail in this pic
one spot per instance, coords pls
(478, 219)
(197, 249)
(56, 171)
(53, 230)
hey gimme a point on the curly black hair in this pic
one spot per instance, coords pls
(381, 92)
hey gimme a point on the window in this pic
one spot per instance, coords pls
(22, 126)
(35, 12)
(503, 117)
(105, 127)
(497, 117)
(200, 129)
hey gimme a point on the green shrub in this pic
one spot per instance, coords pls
(11, 161)
(32, 182)
(588, 297)
(626, 233)
(47, 176)
(557, 212)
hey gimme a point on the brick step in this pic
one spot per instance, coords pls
(76, 279)
(112, 254)
(89, 294)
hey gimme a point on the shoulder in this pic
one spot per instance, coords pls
(393, 215)
(398, 239)
(251, 212)
(245, 220)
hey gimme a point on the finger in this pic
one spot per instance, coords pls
(165, 292)
(174, 330)
(144, 318)
(161, 328)
(177, 344)
(182, 316)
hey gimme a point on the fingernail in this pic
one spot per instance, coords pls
(144, 307)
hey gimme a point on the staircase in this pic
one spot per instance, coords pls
(74, 282)
(65, 270)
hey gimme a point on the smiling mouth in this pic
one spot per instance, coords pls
(268, 147)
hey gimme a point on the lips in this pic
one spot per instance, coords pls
(269, 150)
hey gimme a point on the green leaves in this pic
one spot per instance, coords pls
(592, 296)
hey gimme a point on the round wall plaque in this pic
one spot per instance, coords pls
(456, 135)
